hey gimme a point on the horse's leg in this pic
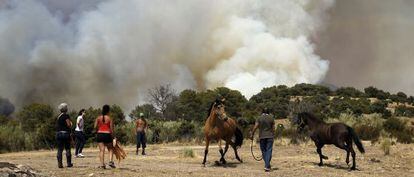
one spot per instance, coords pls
(319, 150)
(345, 147)
(348, 149)
(206, 151)
(235, 152)
(353, 158)
(222, 160)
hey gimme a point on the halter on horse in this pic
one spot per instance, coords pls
(219, 127)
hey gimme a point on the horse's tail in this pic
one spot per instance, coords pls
(239, 137)
(356, 140)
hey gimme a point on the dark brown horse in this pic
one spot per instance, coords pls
(220, 127)
(323, 133)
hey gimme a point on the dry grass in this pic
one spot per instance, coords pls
(290, 160)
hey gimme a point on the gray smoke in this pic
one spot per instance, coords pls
(95, 52)
(370, 42)
(6, 107)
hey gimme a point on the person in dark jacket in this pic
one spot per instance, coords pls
(63, 127)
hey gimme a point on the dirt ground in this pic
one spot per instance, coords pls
(168, 160)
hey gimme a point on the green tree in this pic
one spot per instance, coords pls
(148, 109)
(189, 105)
(40, 120)
(349, 92)
(373, 92)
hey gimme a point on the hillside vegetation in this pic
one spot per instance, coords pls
(373, 113)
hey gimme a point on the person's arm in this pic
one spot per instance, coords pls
(68, 122)
(256, 125)
(78, 122)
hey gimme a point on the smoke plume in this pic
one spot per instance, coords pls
(95, 52)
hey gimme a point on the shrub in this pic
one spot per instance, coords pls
(397, 128)
(386, 146)
(188, 152)
(367, 132)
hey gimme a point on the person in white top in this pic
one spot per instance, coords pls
(80, 136)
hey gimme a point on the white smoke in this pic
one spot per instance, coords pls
(95, 52)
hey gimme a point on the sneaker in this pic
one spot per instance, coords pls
(80, 156)
(111, 164)
(267, 169)
(70, 165)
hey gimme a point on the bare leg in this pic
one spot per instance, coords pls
(206, 151)
(101, 153)
(111, 153)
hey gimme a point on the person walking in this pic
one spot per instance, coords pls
(266, 125)
(80, 136)
(63, 139)
(104, 127)
(140, 129)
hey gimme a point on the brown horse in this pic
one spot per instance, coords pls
(323, 133)
(220, 127)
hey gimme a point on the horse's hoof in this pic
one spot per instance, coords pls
(320, 164)
(353, 168)
(223, 161)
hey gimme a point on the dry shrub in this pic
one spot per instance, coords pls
(188, 153)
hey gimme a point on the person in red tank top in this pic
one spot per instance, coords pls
(104, 127)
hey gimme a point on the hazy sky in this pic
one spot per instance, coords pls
(370, 42)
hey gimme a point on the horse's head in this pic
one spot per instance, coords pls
(218, 109)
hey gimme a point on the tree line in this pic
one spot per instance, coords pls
(33, 126)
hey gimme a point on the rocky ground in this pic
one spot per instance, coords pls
(168, 160)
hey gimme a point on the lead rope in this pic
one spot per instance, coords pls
(251, 150)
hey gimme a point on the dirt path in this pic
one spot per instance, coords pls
(167, 160)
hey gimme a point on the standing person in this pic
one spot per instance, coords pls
(63, 127)
(104, 137)
(266, 125)
(80, 136)
(140, 129)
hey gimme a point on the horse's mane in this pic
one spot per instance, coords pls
(310, 116)
(217, 101)
(209, 109)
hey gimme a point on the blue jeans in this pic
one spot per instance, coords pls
(141, 140)
(266, 146)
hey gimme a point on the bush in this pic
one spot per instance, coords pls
(386, 146)
(367, 132)
(398, 129)
(188, 152)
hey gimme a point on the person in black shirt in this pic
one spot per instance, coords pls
(63, 127)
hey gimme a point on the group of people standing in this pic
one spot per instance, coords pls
(105, 138)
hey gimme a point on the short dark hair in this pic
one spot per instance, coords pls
(81, 111)
(105, 109)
